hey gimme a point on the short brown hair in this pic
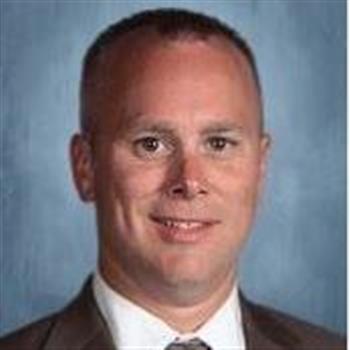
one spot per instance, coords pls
(169, 24)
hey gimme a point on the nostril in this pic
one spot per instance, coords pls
(177, 190)
(186, 190)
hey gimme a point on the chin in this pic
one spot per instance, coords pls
(190, 275)
(184, 291)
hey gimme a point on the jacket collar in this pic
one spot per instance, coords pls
(82, 326)
(263, 331)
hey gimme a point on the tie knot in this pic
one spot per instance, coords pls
(193, 344)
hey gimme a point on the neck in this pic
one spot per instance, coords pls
(183, 314)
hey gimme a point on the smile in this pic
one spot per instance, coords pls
(182, 224)
(179, 230)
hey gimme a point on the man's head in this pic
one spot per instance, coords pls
(172, 152)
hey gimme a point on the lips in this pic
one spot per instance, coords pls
(183, 230)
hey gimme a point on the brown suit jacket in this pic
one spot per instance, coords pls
(80, 326)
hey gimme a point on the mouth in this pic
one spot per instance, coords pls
(183, 230)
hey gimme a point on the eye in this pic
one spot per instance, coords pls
(219, 143)
(149, 144)
(150, 147)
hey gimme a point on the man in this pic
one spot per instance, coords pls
(172, 152)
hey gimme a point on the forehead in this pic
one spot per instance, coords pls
(139, 71)
(137, 50)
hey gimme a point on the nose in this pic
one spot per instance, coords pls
(187, 179)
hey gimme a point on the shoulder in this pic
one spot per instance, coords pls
(77, 325)
(32, 336)
(286, 330)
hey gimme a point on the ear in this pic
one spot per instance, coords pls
(265, 145)
(82, 167)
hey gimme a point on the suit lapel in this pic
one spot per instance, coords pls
(101, 341)
(80, 325)
(262, 331)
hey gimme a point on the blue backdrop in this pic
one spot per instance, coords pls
(296, 257)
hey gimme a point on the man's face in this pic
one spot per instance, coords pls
(177, 164)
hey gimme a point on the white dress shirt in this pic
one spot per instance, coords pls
(134, 328)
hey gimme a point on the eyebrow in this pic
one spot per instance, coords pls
(163, 127)
(222, 127)
(151, 127)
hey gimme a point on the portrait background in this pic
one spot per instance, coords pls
(296, 257)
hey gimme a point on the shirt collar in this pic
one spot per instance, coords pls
(132, 327)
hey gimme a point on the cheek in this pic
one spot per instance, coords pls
(237, 181)
(237, 187)
(137, 182)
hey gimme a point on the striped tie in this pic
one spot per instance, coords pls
(193, 344)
